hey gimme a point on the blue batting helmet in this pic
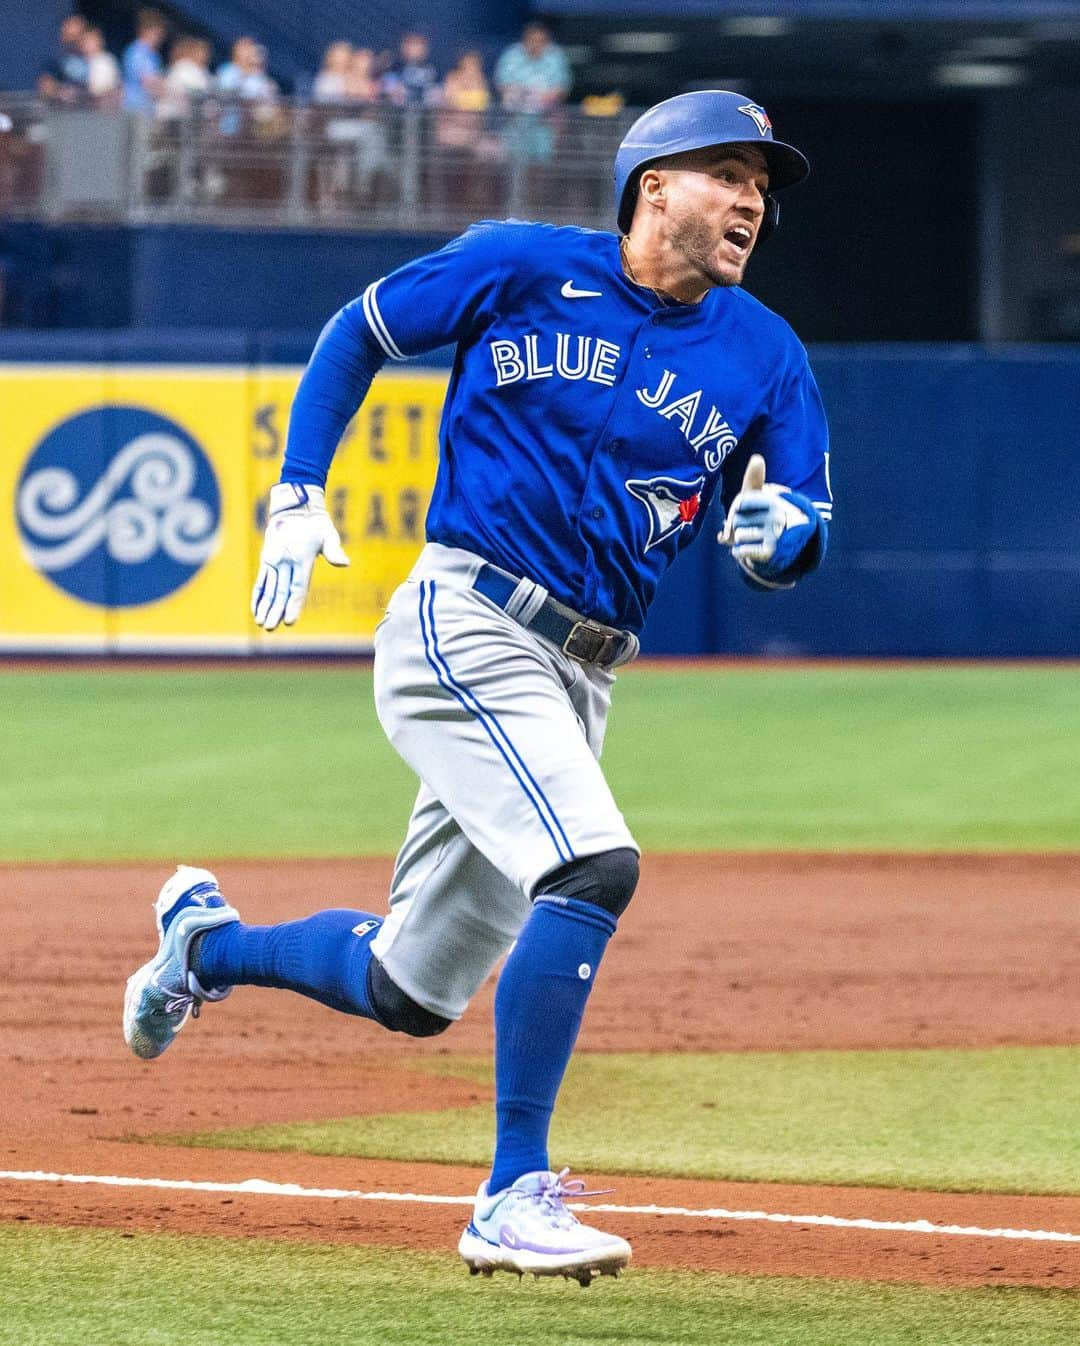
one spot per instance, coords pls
(695, 121)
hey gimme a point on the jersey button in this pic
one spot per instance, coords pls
(598, 513)
(616, 446)
(647, 353)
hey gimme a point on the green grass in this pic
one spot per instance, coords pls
(1001, 1119)
(156, 765)
(68, 1287)
(223, 764)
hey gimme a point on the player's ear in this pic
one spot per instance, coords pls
(651, 187)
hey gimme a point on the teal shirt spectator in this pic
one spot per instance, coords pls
(140, 61)
(533, 76)
(532, 82)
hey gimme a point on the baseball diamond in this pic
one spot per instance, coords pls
(605, 391)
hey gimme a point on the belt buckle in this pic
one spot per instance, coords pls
(587, 643)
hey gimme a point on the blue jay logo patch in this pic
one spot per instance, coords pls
(758, 116)
(671, 503)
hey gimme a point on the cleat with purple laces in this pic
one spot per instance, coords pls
(528, 1227)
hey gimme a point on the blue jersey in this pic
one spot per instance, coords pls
(588, 422)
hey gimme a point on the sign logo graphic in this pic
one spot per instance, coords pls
(118, 506)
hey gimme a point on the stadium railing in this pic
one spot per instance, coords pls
(23, 137)
(290, 164)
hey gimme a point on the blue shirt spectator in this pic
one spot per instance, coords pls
(143, 82)
(245, 75)
(413, 81)
(63, 79)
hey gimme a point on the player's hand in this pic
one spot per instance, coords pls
(759, 516)
(770, 529)
(298, 529)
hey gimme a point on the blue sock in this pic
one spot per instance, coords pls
(538, 1007)
(325, 957)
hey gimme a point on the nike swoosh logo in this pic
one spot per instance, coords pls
(568, 292)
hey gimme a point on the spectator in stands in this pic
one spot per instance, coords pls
(412, 81)
(362, 84)
(465, 95)
(143, 83)
(533, 75)
(63, 79)
(329, 86)
(245, 75)
(533, 78)
(188, 77)
(187, 84)
(243, 79)
(361, 135)
(458, 181)
(466, 87)
(103, 82)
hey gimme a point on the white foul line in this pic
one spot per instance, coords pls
(260, 1187)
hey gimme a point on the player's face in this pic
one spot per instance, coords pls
(715, 206)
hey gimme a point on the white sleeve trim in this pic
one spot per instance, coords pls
(377, 324)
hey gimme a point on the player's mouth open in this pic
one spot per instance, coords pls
(739, 237)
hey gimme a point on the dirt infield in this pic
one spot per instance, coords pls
(723, 952)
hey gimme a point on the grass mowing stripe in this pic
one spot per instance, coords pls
(63, 1287)
(137, 764)
(999, 1119)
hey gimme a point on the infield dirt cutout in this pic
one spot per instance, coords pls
(723, 952)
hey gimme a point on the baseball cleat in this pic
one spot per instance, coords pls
(164, 991)
(527, 1228)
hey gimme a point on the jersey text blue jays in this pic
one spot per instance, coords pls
(589, 424)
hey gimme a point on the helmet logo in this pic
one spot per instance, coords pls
(758, 116)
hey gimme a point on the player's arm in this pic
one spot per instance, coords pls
(778, 529)
(431, 302)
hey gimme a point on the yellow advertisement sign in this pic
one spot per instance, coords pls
(136, 500)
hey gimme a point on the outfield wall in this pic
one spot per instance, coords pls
(134, 471)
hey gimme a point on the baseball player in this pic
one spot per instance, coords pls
(605, 389)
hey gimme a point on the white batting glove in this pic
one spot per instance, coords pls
(298, 529)
(759, 516)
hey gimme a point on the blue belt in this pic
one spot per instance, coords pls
(586, 641)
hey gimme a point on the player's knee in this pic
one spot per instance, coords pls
(607, 879)
(397, 1011)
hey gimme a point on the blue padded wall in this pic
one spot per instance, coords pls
(287, 279)
(957, 527)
